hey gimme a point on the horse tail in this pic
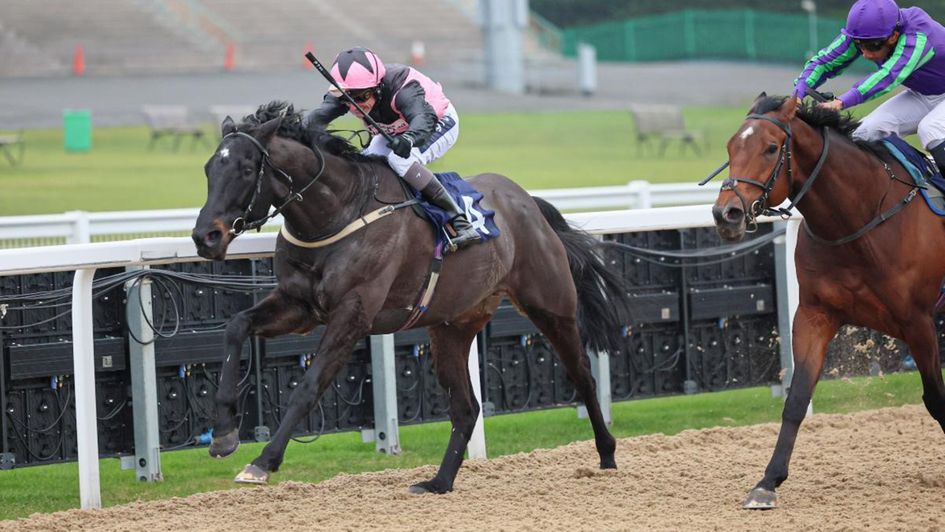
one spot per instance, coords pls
(603, 303)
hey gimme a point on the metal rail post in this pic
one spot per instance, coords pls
(477, 443)
(143, 380)
(788, 293)
(83, 342)
(600, 369)
(384, 382)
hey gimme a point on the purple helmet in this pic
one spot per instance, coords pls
(872, 19)
(358, 68)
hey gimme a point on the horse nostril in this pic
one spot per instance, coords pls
(213, 238)
(733, 215)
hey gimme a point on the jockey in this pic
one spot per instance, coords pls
(413, 109)
(908, 47)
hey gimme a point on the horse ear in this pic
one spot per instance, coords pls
(265, 132)
(758, 99)
(789, 109)
(228, 126)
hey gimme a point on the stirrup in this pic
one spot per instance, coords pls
(463, 237)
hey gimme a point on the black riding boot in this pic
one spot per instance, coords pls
(434, 193)
(938, 153)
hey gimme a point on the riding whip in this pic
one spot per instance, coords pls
(367, 118)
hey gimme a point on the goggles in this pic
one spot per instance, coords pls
(361, 96)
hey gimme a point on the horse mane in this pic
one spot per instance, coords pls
(817, 117)
(313, 135)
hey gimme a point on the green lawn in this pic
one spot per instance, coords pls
(538, 150)
(55, 487)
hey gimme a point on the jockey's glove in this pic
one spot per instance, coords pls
(401, 145)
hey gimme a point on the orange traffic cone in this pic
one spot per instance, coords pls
(229, 59)
(78, 61)
(309, 48)
(417, 53)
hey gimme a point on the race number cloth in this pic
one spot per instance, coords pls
(468, 199)
(922, 170)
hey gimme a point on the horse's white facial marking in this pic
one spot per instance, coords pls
(747, 133)
(224, 153)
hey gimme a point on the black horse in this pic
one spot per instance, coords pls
(362, 279)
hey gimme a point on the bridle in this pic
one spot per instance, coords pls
(240, 225)
(760, 207)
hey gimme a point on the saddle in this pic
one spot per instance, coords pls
(466, 197)
(924, 172)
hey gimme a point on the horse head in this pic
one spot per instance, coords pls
(239, 191)
(759, 154)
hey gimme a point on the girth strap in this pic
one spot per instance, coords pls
(423, 302)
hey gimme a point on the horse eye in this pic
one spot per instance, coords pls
(772, 148)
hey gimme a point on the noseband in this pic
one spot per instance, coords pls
(240, 225)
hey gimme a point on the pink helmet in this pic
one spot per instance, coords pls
(358, 68)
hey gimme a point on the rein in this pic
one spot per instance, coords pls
(240, 225)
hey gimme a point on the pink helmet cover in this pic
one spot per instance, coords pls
(358, 68)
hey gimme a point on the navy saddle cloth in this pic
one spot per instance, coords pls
(468, 199)
(923, 172)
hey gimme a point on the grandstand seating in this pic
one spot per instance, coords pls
(118, 36)
(162, 36)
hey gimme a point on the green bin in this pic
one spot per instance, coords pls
(77, 129)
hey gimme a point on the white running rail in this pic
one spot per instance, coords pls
(79, 227)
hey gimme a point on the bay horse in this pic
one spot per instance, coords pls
(368, 282)
(867, 255)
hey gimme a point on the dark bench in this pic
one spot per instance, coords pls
(173, 121)
(663, 123)
(13, 147)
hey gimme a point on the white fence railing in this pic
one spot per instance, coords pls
(79, 227)
(86, 258)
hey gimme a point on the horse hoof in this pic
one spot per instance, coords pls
(252, 474)
(426, 487)
(608, 463)
(761, 499)
(225, 445)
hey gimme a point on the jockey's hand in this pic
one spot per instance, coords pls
(401, 145)
(833, 105)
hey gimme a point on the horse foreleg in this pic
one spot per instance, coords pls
(813, 330)
(450, 347)
(274, 315)
(923, 343)
(346, 325)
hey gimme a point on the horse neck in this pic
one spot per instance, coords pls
(334, 200)
(849, 188)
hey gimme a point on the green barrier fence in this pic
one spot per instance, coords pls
(700, 34)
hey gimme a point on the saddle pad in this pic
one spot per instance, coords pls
(922, 170)
(468, 199)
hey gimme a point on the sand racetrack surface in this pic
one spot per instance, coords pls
(881, 470)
